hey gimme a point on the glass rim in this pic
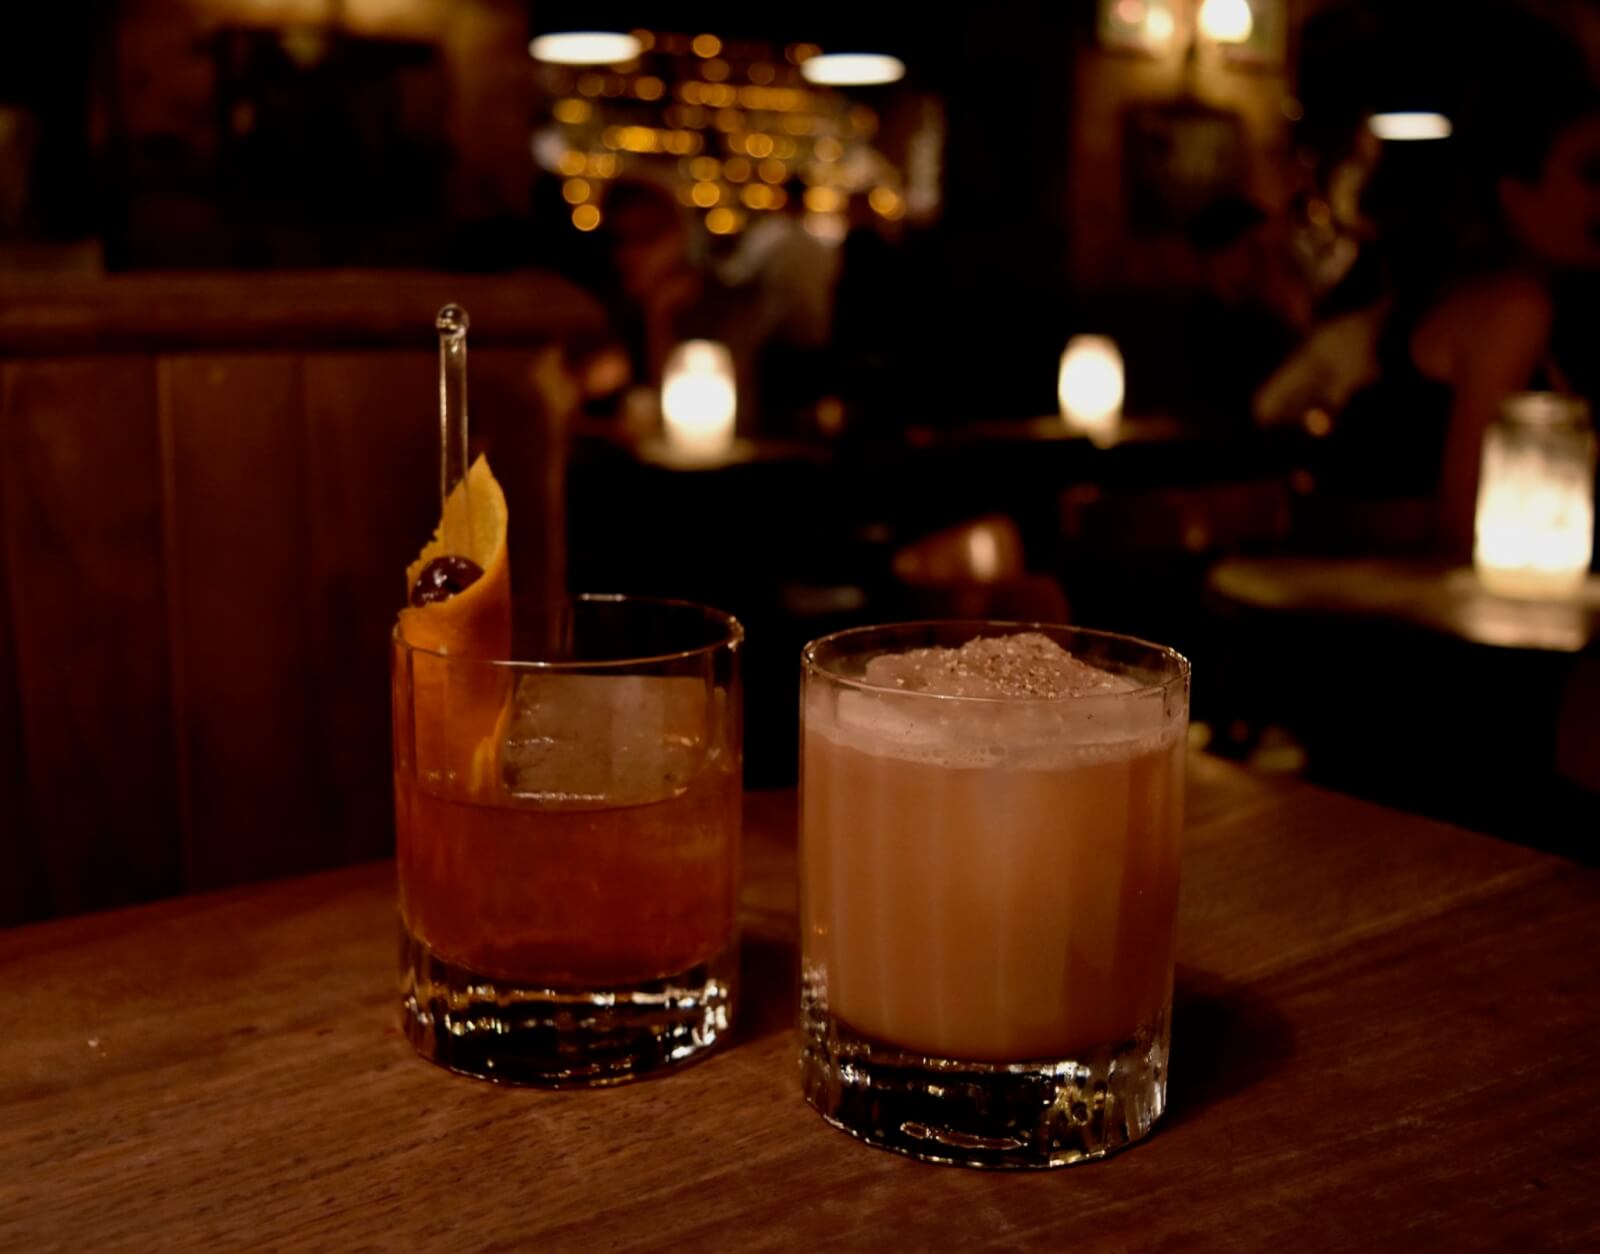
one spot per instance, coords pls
(811, 665)
(733, 636)
(1544, 410)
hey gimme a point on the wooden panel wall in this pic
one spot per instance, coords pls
(203, 555)
(242, 600)
(87, 593)
(374, 477)
(16, 855)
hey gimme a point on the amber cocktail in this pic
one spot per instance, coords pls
(567, 838)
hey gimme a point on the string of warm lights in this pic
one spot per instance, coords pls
(743, 123)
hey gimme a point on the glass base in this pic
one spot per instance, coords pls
(482, 1026)
(1032, 1114)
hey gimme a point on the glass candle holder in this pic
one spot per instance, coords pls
(1534, 532)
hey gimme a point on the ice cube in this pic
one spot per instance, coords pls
(1039, 706)
(613, 740)
(1026, 665)
(885, 718)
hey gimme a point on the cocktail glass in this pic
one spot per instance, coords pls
(567, 839)
(989, 888)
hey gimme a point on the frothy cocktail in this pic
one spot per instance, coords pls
(989, 851)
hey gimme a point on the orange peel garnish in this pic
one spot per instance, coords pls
(475, 622)
(458, 709)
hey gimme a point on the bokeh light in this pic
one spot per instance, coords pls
(585, 47)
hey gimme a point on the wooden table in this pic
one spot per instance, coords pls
(1492, 704)
(1388, 1036)
(1431, 596)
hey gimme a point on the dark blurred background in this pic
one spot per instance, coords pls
(1327, 238)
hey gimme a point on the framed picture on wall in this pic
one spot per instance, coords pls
(1178, 157)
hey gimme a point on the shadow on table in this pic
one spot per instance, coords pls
(1225, 1038)
(769, 964)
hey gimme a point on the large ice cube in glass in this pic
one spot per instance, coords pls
(605, 740)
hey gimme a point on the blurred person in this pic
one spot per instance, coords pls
(1336, 360)
(1349, 296)
(1355, 363)
(789, 275)
(1527, 321)
(1469, 292)
(1242, 320)
(657, 287)
(778, 310)
(871, 326)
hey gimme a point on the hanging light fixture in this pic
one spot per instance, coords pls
(585, 47)
(1410, 125)
(852, 69)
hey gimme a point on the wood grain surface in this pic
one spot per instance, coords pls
(243, 606)
(1388, 1035)
(81, 533)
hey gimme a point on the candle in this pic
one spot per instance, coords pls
(1535, 517)
(1090, 387)
(698, 400)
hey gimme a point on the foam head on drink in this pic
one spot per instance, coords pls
(990, 844)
